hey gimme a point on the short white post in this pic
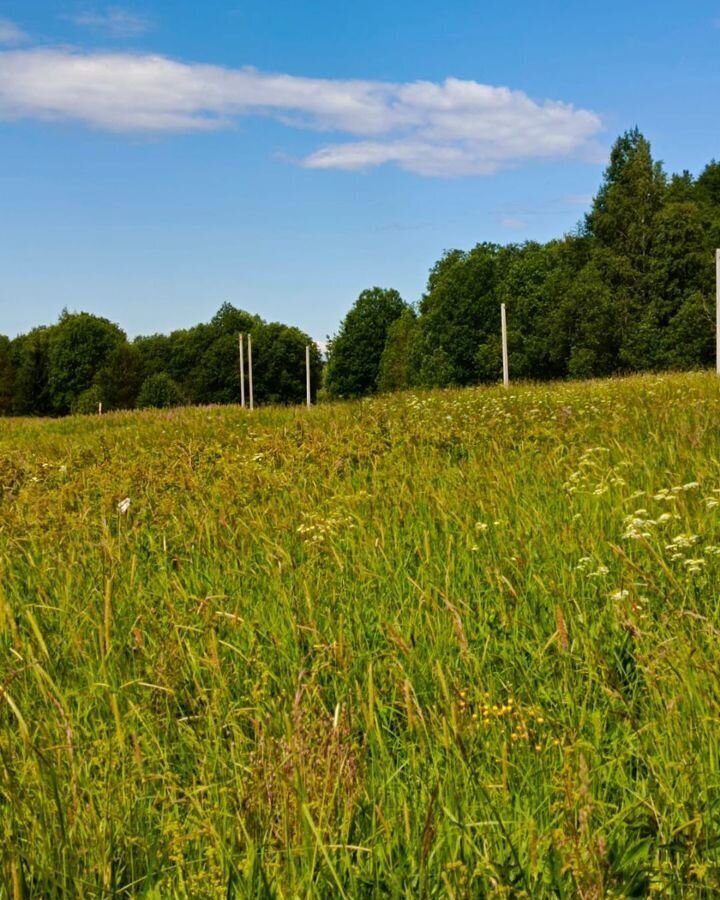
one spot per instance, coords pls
(717, 311)
(100, 408)
(250, 381)
(503, 323)
(242, 371)
(307, 374)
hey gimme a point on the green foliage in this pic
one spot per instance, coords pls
(400, 361)
(31, 391)
(216, 377)
(436, 369)
(50, 369)
(708, 185)
(159, 392)
(632, 289)
(434, 644)
(156, 353)
(88, 402)
(121, 377)
(78, 347)
(279, 364)
(7, 377)
(460, 311)
(230, 320)
(488, 359)
(356, 350)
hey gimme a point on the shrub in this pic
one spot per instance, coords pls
(159, 392)
(86, 403)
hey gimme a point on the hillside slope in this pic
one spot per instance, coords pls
(431, 644)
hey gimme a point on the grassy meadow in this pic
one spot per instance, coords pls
(454, 644)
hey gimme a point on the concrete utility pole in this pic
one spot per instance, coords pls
(250, 381)
(717, 311)
(503, 323)
(242, 371)
(307, 374)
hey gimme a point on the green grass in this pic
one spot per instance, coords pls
(454, 644)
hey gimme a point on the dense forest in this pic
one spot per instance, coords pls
(84, 360)
(631, 289)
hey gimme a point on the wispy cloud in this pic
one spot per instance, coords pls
(514, 223)
(578, 199)
(11, 34)
(115, 21)
(449, 128)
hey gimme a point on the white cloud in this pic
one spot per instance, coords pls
(114, 20)
(11, 34)
(436, 129)
(515, 223)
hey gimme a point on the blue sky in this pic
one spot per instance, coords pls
(159, 158)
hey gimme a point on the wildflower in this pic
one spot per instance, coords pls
(123, 506)
(682, 542)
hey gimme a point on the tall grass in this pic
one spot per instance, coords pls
(450, 644)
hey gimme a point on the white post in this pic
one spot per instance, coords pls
(717, 310)
(503, 323)
(250, 381)
(242, 371)
(100, 408)
(307, 374)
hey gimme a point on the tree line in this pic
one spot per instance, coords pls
(631, 289)
(84, 360)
